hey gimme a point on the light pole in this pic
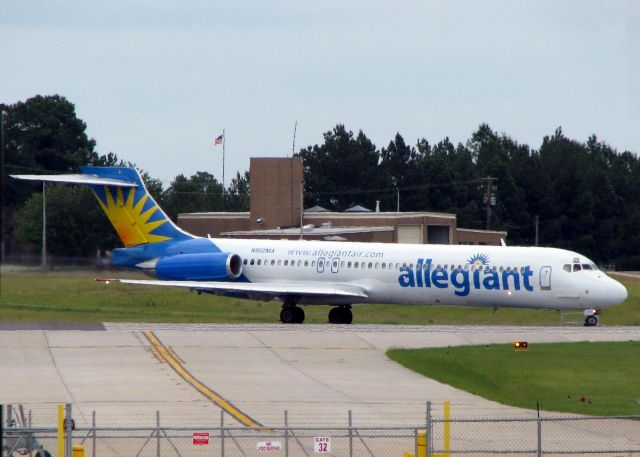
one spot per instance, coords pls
(3, 113)
(43, 256)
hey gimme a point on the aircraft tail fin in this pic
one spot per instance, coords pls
(121, 193)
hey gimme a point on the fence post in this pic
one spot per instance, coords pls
(93, 424)
(68, 431)
(286, 434)
(428, 431)
(1, 429)
(221, 433)
(350, 435)
(539, 423)
(157, 433)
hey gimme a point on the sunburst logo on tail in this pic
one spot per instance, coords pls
(133, 218)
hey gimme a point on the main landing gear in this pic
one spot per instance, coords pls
(341, 315)
(293, 314)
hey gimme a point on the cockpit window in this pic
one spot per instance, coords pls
(577, 267)
(567, 267)
(586, 266)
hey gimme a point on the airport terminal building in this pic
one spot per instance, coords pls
(276, 202)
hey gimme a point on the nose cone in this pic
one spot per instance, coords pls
(617, 293)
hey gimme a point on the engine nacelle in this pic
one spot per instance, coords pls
(209, 266)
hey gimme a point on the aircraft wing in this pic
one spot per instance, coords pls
(256, 288)
(77, 179)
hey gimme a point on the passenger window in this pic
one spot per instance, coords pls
(384, 265)
(259, 261)
(377, 265)
(273, 262)
(293, 263)
(252, 261)
(370, 265)
(342, 264)
(306, 263)
(313, 263)
(286, 263)
(320, 263)
(245, 261)
(577, 267)
(348, 264)
(355, 265)
(279, 262)
(363, 265)
(299, 263)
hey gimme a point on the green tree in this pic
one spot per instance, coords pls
(342, 171)
(238, 194)
(200, 192)
(76, 225)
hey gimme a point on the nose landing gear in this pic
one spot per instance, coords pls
(590, 317)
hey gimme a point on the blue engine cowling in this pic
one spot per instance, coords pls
(209, 266)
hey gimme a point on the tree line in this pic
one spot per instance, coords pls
(585, 195)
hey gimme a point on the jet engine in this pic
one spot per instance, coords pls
(207, 266)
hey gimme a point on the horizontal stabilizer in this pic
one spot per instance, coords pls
(78, 179)
(273, 289)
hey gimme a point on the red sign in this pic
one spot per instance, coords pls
(200, 438)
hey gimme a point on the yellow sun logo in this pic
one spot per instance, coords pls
(129, 218)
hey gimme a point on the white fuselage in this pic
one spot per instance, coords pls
(493, 276)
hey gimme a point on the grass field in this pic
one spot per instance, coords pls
(75, 296)
(585, 378)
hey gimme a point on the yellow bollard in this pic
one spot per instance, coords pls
(61, 430)
(78, 450)
(421, 442)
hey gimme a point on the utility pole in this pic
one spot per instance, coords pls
(489, 197)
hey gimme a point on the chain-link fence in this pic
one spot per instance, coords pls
(529, 436)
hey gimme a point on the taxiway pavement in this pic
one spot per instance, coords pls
(315, 372)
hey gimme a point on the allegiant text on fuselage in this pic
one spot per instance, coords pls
(463, 280)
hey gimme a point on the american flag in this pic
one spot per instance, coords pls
(218, 140)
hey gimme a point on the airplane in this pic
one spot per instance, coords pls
(338, 274)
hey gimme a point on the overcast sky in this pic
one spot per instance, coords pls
(157, 80)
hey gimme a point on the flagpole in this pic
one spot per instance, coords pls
(224, 140)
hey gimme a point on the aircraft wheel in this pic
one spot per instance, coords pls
(287, 315)
(347, 316)
(298, 315)
(334, 315)
(591, 321)
(42, 453)
(340, 315)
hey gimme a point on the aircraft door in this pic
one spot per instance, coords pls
(545, 278)
(335, 264)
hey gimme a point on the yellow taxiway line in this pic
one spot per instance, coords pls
(166, 355)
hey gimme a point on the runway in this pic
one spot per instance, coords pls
(315, 372)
